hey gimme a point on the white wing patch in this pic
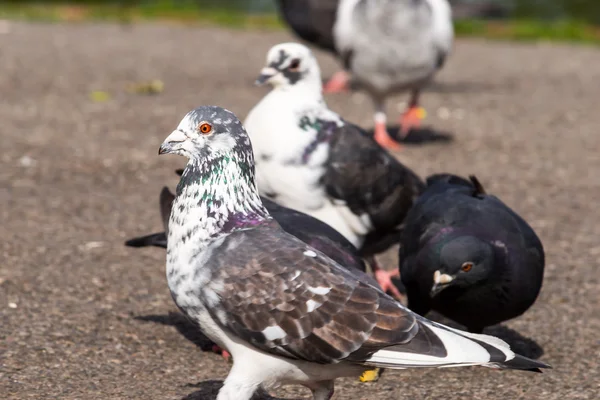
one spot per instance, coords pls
(296, 274)
(319, 290)
(273, 333)
(310, 253)
(311, 305)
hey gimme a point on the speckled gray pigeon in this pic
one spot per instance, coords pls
(286, 312)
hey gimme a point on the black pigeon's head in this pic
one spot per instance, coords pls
(209, 132)
(460, 262)
(289, 64)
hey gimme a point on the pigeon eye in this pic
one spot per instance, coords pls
(466, 267)
(205, 128)
(295, 64)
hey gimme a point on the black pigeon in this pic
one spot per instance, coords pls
(467, 255)
(306, 228)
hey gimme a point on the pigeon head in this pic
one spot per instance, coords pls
(217, 186)
(208, 132)
(288, 64)
(463, 261)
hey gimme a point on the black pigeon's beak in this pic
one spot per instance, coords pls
(266, 74)
(440, 282)
(172, 143)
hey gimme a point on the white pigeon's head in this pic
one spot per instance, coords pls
(289, 64)
(209, 132)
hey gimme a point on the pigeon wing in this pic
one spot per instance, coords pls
(368, 179)
(288, 299)
(283, 297)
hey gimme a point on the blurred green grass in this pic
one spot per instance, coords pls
(561, 30)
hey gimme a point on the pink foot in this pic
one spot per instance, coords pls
(224, 353)
(384, 278)
(411, 118)
(383, 138)
(338, 83)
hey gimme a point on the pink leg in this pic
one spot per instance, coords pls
(382, 136)
(412, 117)
(338, 83)
(384, 278)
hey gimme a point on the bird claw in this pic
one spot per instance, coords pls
(224, 353)
(384, 278)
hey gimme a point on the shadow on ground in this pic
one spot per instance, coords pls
(208, 390)
(183, 325)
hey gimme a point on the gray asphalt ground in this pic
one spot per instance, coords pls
(83, 317)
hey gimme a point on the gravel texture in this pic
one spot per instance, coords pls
(83, 317)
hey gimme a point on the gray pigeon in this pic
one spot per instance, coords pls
(391, 46)
(287, 313)
(467, 255)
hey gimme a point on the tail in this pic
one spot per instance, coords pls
(447, 178)
(165, 204)
(439, 346)
(156, 239)
(451, 179)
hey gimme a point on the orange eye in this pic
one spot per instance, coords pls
(466, 267)
(205, 128)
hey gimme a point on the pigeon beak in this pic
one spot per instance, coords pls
(266, 74)
(440, 282)
(172, 142)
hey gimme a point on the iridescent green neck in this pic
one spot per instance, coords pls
(221, 193)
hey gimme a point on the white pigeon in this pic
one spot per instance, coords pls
(311, 160)
(287, 313)
(391, 46)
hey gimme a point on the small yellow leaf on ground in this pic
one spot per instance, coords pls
(99, 96)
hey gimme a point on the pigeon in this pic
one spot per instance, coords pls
(313, 21)
(468, 256)
(310, 230)
(311, 160)
(391, 46)
(286, 312)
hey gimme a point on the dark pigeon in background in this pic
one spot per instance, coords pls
(311, 20)
(468, 256)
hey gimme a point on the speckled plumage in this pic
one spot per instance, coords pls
(311, 231)
(455, 222)
(287, 313)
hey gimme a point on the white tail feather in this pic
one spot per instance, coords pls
(460, 349)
